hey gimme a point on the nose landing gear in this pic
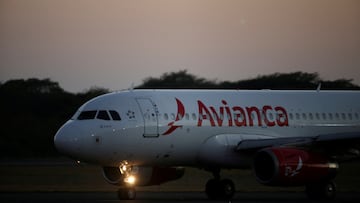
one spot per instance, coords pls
(126, 193)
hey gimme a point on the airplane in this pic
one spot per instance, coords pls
(148, 137)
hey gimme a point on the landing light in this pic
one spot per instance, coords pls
(124, 168)
(130, 180)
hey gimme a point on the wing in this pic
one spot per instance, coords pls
(340, 146)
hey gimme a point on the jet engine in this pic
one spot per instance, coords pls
(292, 167)
(141, 176)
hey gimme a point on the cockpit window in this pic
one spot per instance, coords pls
(103, 115)
(87, 115)
(115, 115)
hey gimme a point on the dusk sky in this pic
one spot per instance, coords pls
(112, 44)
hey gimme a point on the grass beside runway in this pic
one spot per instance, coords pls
(53, 176)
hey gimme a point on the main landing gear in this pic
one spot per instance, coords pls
(321, 191)
(219, 189)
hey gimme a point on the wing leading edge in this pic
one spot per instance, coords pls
(342, 146)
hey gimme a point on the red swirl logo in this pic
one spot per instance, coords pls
(180, 114)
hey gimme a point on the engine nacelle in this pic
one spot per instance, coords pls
(292, 167)
(145, 176)
(113, 175)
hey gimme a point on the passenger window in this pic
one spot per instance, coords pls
(103, 115)
(193, 115)
(330, 116)
(87, 115)
(271, 116)
(115, 115)
(239, 116)
(179, 116)
(311, 117)
(253, 116)
(343, 116)
(187, 116)
(166, 117)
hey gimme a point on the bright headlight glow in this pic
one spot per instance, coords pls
(124, 168)
(130, 180)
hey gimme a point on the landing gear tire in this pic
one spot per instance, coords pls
(220, 189)
(227, 189)
(321, 191)
(211, 189)
(127, 193)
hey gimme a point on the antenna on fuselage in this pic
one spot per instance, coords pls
(318, 87)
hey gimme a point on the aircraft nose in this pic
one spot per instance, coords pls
(66, 140)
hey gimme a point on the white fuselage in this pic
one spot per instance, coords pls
(201, 128)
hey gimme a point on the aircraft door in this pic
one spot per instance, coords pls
(150, 115)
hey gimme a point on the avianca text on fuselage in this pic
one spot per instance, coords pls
(235, 116)
(239, 116)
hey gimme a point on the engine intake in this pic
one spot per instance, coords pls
(291, 166)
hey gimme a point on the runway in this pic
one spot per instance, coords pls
(61, 181)
(143, 197)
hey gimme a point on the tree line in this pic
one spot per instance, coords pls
(33, 110)
(276, 81)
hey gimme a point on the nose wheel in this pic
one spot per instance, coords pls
(127, 193)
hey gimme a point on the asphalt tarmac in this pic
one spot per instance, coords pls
(61, 181)
(142, 197)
